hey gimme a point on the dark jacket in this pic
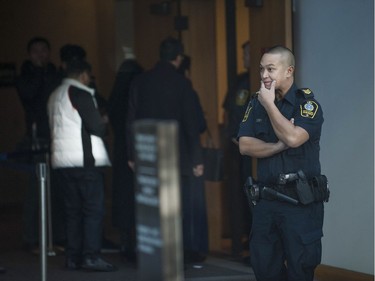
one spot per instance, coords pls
(119, 99)
(164, 94)
(34, 86)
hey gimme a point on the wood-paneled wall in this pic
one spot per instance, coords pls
(269, 25)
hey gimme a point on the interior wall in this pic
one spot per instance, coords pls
(270, 25)
(334, 46)
(150, 30)
(124, 28)
(243, 34)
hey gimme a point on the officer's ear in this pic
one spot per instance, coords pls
(290, 71)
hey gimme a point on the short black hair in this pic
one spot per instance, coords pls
(71, 52)
(170, 48)
(284, 51)
(37, 39)
(77, 67)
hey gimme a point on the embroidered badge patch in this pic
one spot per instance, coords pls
(247, 112)
(309, 109)
(242, 97)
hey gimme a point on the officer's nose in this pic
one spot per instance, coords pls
(264, 74)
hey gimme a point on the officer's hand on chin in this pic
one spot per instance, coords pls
(267, 96)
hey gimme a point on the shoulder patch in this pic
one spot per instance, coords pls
(247, 112)
(242, 96)
(306, 92)
(309, 109)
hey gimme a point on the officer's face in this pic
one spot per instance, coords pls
(274, 67)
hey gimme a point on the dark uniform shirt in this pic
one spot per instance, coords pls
(307, 113)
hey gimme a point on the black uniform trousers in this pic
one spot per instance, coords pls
(84, 211)
(282, 231)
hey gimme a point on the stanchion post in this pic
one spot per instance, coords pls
(50, 249)
(42, 176)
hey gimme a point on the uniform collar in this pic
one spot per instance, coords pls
(291, 94)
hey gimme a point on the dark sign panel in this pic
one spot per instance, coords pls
(158, 201)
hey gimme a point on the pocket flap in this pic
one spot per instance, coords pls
(310, 237)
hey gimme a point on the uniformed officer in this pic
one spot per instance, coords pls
(282, 128)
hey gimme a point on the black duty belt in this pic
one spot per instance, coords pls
(297, 191)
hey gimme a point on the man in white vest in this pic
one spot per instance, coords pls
(78, 154)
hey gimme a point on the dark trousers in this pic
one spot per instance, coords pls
(285, 242)
(123, 197)
(84, 209)
(194, 214)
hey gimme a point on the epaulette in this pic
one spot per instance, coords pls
(306, 92)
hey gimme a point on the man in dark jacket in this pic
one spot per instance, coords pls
(164, 94)
(123, 202)
(37, 80)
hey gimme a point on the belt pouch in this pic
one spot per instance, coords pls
(304, 191)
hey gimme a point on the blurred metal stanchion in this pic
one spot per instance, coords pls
(50, 249)
(41, 171)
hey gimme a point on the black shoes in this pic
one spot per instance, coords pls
(97, 264)
(72, 265)
(90, 264)
(193, 257)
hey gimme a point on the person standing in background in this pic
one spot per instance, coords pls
(123, 189)
(162, 93)
(78, 155)
(195, 220)
(37, 80)
(237, 166)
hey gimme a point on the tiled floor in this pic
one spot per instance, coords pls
(24, 266)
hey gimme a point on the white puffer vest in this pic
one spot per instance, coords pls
(66, 123)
